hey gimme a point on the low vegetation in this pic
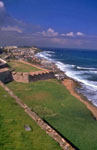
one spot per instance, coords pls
(64, 112)
(21, 67)
(12, 132)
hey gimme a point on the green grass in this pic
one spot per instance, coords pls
(64, 112)
(12, 133)
(21, 67)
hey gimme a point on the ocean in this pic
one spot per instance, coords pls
(80, 65)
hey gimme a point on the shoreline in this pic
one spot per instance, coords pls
(70, 84)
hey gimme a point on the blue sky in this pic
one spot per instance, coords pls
(50, 23)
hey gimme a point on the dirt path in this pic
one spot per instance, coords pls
(70, 85)
(36, 66)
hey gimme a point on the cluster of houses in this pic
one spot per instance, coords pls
(28, 54)
(21, 52)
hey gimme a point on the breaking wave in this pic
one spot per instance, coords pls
(85, 75)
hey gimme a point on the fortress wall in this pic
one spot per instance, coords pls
(20, 77)
(3, 65)
(32, 77)
(6, 75)
(43, 76)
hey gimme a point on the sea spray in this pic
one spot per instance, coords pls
(80, 65)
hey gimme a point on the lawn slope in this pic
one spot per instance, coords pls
(12, 133)
(68, 115)
(21, 67)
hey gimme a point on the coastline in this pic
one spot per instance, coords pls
(70, 84)
(79, 109)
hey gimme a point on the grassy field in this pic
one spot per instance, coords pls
(12, 132)
(64, 112)
(21, 67)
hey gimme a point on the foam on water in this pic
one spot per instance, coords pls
(45, 54)
(83, 68)
(78, 73)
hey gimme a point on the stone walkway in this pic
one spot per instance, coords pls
(49, 130)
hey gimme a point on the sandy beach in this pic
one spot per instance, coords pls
(70, 85)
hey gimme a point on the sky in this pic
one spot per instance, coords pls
(49, 23)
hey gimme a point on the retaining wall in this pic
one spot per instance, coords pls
(41, 76)
(31, 77)
(5, 75)
(20, 77)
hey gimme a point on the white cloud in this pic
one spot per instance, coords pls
(63, 34)
(1, 4)
(12, 29)
(71, 34)
(80, 34)
(50, 33)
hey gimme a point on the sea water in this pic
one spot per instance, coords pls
(80, 65)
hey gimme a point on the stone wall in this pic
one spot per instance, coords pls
(5, 75)
(31, 77)
(41, 76)
(20, 77)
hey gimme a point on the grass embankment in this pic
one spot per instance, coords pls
(21, 67)
(68, 115)
(12, 133)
